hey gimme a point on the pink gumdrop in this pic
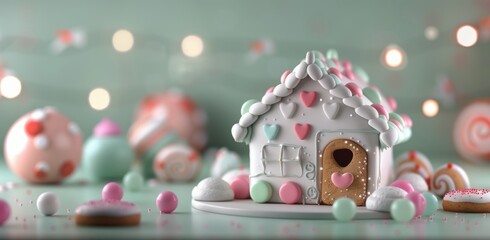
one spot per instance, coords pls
(405, 185)
(392, 102)
(408, 121)
(290, 193)
(354, 88)
(241, 188)
(112, 192)
(284, 75)
(167, 202)
(418, 200)
(398, 124)
(334, 71)
(4, 211)
(380, 109)
(271, 89)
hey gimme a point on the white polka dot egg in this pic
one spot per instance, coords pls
(43, 146)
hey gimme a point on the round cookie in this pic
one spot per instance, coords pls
(447, 178)
(467, 200)
(107, 213)
(415, 162)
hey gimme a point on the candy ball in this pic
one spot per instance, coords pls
(405, 185)
(133, 181)
(106, 154)
(112, 192)
(4, 211)
(418, 200)
(48, 203)
(402, 210)
(431, 203)
(164, 118)
(43, 146)
(344, 209)
(167, 202)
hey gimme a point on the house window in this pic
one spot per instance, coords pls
(282, 160)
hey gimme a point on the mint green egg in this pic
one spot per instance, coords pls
(372, 95)
(133, 181)
(431, 203)
(107, 158)
(331, 53)
(246, 105)
(344, 209)
(402, 210)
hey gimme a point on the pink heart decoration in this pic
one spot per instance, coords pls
(302, 130)
(308, 98)
(342, 181)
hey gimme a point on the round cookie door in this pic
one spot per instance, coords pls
(344, 173)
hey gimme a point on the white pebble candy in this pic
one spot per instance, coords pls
(48, 203)
(381, 199)
(417, 181)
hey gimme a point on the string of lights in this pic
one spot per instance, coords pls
(392, 56)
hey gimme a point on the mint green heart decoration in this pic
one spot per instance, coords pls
(271, 131)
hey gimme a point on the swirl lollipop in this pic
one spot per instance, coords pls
(177, 163)
(447, 178)
(472, 132)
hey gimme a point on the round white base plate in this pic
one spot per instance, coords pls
(249, 208)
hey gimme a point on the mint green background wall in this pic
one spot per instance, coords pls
(221, 79)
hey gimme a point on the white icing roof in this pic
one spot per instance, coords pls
(342, 80)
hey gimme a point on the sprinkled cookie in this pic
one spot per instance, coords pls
(107, 213)
(467, 200)
(447, 178)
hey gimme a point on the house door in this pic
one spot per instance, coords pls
(344, 174)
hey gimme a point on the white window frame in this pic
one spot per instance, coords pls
(281, 160)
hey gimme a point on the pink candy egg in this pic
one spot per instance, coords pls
(418, 200)
(405, 185)
(167, 202)
(112, 192)
(43, 146)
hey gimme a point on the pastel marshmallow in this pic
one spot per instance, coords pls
(212, 189)
(381, 199)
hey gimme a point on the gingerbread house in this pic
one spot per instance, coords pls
(322, 133)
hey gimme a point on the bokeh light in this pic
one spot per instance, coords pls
(122, 40)
(393, 57)
(192, 46)
(10, 87)
(431, 33)
(466, 36)
(430, 108)
(99, 99)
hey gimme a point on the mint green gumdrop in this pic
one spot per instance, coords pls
(372, 95)
(261, 192)
(246, 105)
(361, 73)
(133, 181)
(402, 210)
(431, 203)
(344, 209)
(397, 117)
(331, 53)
